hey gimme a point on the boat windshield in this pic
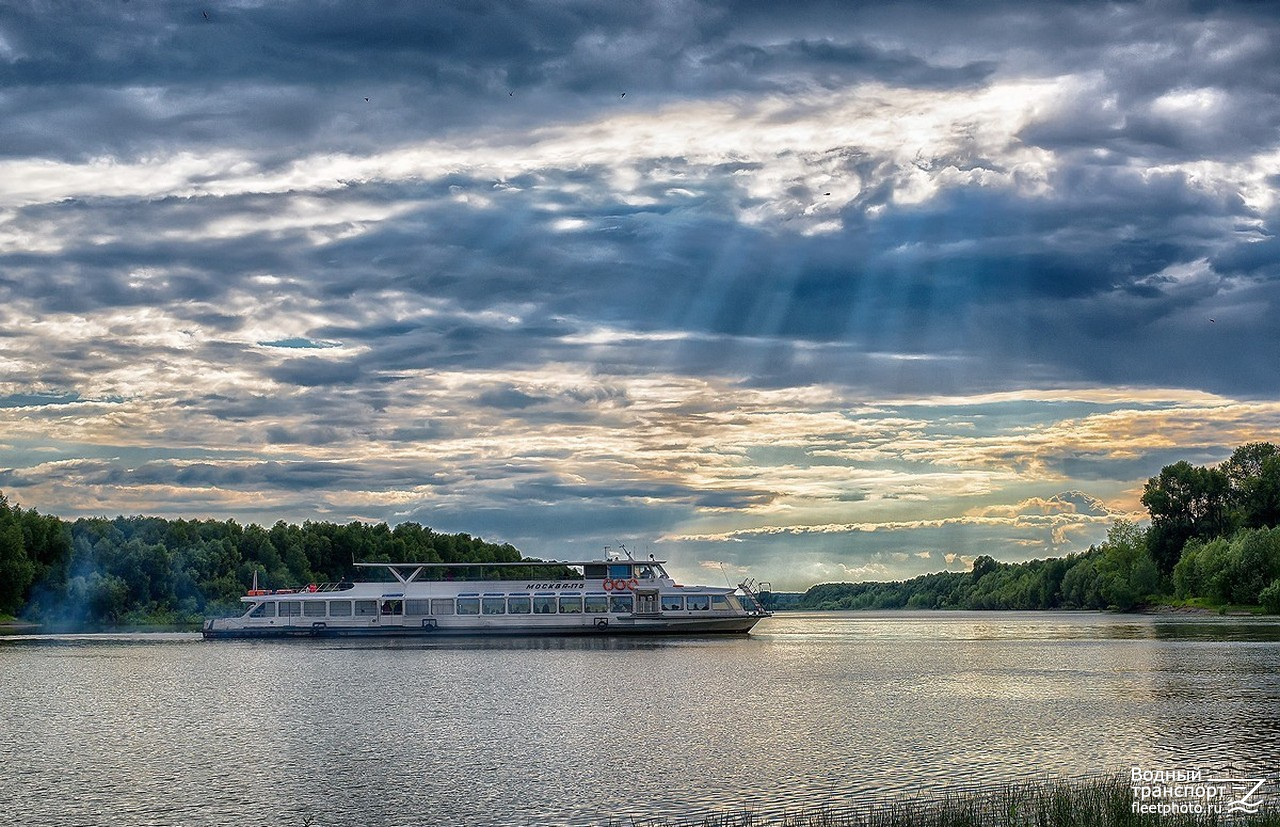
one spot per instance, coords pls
(649, 571)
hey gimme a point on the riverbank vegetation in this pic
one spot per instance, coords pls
(1212, 544)
(153, 571)
(1091, 802)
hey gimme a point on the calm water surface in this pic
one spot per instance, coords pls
(811, 709)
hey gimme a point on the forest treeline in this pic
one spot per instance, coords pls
(138, 570)
(1212, 541)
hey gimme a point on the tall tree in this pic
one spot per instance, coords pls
(16, 569)
(1184, 501)
(1126, 572)
(1253, 475)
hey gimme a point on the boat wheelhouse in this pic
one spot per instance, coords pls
(608, 596)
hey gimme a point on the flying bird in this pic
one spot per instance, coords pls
(207, 19)
(623, 95)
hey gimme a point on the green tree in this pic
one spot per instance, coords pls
(1254, 563)
(1186, 575)
(983, 566)
(16, 569)
(1184, 501)
(1126, 572)
(1205, 570)
(1080, 586)
(1253, 477)
(97, 598)
(1270, 597)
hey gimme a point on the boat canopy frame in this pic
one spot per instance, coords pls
(398, 569)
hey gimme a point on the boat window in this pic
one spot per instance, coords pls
(596, 604)
(698, 602)
(672, 603)
(442, 606)
(468, 605)
(366, 608)
(339, 608)
(620, 571)
(264, 610)
(290, 608)
(494, 605)
(720, 602)
(417, 607)
(519, 605)
(620, 604)
(571, 605)
(734, 603)
(595, 571)
(645, 572)
(393, 607)
(313, 608)
(544, 605)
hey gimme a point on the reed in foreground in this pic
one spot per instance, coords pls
(1092, 802)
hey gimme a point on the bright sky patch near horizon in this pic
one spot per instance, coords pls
(817, 291)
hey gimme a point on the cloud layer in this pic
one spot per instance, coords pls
(810, 291)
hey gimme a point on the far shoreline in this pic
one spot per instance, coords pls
(24, 627)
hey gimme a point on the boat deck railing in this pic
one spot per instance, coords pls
(753, 589)
(311, 588)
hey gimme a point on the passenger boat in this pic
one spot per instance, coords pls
(612, 596)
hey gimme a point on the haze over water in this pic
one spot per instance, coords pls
(812, 709)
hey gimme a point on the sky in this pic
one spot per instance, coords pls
(807, 291)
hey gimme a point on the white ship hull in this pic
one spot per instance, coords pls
(616, 626)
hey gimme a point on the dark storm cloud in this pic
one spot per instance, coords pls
(315, 371)
(123, 78)
(552, 528)
(509, 398)
(249, 476)
(834, 64)
(129, 78)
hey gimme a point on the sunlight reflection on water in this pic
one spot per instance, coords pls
(814, 708)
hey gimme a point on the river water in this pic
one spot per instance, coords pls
(811, 709)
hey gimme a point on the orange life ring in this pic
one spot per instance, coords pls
(633, 584)
(608, 585)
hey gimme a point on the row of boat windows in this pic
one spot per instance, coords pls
(493, 605)
(622, 571)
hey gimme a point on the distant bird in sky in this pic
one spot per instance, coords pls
(1213, 321)
(207, 19)
(366, 100)
(623, 95)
